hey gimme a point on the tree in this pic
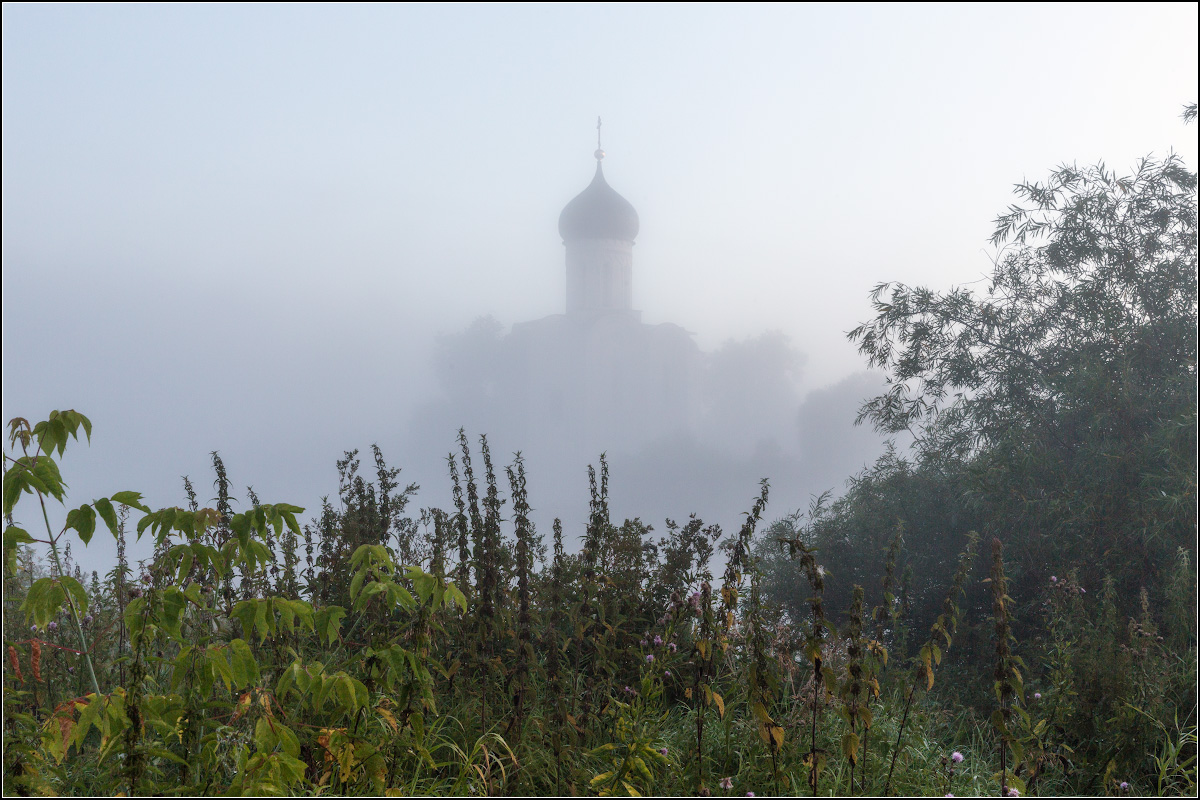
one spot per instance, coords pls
(1068, 388)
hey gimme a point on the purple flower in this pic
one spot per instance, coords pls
(667, 674)
(33, 628)
(649, 658)
(87, 620)
(1037, 695)
(956, 757)
(706, 587)
(1009, 791)
(628, 690)
(947, 794)
(726, 783)
(53, 626)
(749, 794)
(1082, 590)
(671, 646)
(662, 750)
(71, 670)
(658, 641)
(1124, 786)
(642, 642)
(1053, 579)
(694, 600)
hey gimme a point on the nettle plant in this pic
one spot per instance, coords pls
(210, 700)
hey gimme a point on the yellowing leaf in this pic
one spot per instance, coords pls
(720, 704)
(388, 717)
(850, 747)
(777, 737)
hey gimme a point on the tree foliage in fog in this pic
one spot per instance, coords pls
(1057, 408)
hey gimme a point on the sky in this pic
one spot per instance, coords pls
(241, 228)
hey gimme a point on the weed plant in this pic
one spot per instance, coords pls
(455, 656)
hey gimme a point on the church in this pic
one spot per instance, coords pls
(684, 430)
(596, 377)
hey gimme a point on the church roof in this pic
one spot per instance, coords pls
(598, 212)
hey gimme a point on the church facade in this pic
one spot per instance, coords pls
(596, 377)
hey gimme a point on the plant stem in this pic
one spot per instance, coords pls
(83, 645)
(896, 749)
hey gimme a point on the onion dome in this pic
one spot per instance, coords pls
(598, 212)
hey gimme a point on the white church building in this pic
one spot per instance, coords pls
(596, 377)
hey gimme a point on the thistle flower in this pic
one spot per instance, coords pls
(649, 658)
(726, 783)
(956, 757)
(1010, 791)
(658, 641)
(53, 626)
(1037, 695)
(1124, 786)
(663, 750)
(642, 642)
(671, 646)
(33, 628)
(87, 620)
(1053, 579)
(749, 794)
(667, 674)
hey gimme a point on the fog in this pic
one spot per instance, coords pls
(283, 233)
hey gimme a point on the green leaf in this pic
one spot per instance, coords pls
(167, 754)
(264, 623)
(131, 499)
(329, 621)
(134, 621)
(53, 434)
(185, 566)
(264, 737)
(78, 595)
(344, 689)
(90, 715)
(455, 595)
(424, 583)
(44, 601)
(109, 515)
(46, 471)
(14, 484)
(83, 520)
(245, 668)
(86, 423)
(14, 537)
(287, 741)
(219, 662)
(287, 679)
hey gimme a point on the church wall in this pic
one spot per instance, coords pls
(599, 275)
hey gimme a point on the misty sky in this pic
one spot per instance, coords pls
(241, 228)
